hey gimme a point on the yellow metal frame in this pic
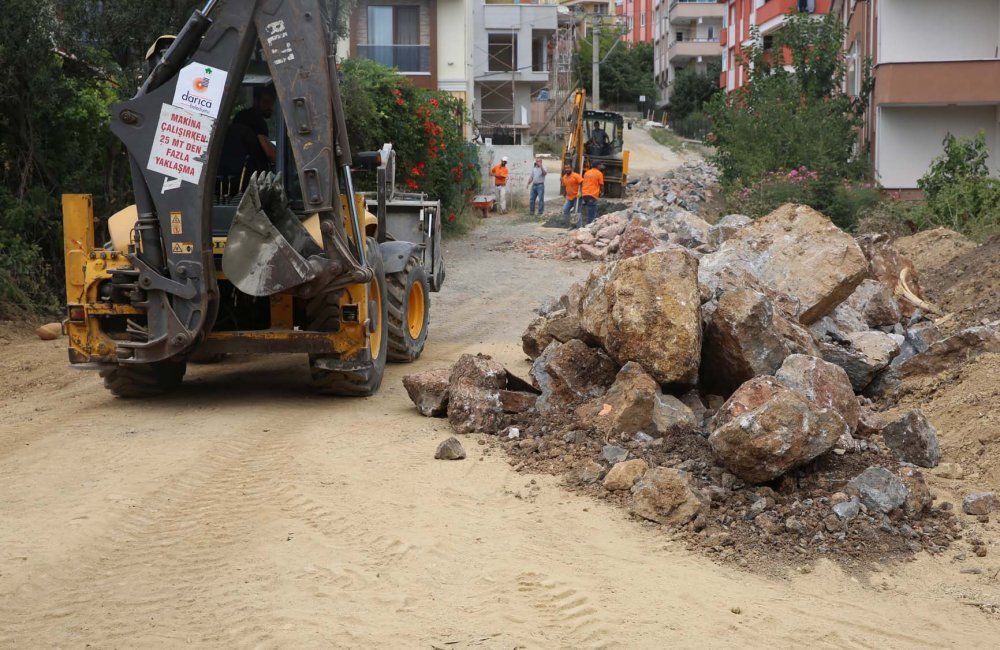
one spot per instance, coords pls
(87, 267)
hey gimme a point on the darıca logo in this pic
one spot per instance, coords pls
(202, 83)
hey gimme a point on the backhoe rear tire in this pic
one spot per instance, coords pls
(409, 308)
(144, 380)
(367, 381)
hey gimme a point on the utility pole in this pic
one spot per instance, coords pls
(595, 39)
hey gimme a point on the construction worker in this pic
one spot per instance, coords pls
(571, 183)
(593, 188)
(499, 173)
(537, 186)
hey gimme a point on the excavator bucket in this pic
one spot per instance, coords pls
(267, 246)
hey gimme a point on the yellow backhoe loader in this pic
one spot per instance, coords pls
(594, 138)
(235, 247)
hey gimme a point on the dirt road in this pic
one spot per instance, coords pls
(244, 511)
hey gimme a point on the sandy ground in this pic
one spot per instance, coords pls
(245, 511)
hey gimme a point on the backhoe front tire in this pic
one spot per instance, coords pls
(143, 380)
(409, 303)
(367, 381)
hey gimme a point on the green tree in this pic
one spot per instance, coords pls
(692, 90)
(626, 72)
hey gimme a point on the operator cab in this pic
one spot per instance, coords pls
(604, 133)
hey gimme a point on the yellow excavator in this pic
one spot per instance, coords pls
(230, 248)
(597, 137)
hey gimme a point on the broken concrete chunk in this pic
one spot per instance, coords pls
(429, 391)
(913, 439)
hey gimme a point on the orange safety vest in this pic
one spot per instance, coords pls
(571, 182)
(500, 173)
(593, 182)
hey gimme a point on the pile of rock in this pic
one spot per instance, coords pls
(687, 187)
(723, 391)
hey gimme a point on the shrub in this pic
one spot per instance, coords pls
(693, 90)
(424, 126)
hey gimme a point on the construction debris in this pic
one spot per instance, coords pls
(728, 392)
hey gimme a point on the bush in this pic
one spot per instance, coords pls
(961, 194)
(424, 126)
(692, 91)
(843, 202)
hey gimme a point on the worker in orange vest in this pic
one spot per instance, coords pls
(571, 182)
(593, 188)
(499, 173)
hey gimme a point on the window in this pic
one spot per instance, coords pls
(680, 36)
(394, 38)
(711, 33)
(768, 42)
(642, 19)
(853, 76)
(502, 50)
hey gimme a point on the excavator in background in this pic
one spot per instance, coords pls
(596, 137)
(222, 253)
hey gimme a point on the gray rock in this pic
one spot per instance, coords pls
(847, 510)
(591, 472)
(912, 439)
(879, 489)
(450, 449)
(613, 455)
(980, 503)
(864, 355)
(726, 228)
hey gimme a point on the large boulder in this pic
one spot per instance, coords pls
(429, 391)
(913, 439)
(478, 370)
(666, 496)
(953, 351)
(474, 387)
(647, 309)
(635, 403)
(557, 325)
(784, 431)
(746, 337)
(823, 383)
(570, 373)
(686, 229)
(795, 251)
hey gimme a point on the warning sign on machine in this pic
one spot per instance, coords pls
(181, 140)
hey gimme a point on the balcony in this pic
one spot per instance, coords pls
(408, 59)
(938, 83)
(694, 48)
(686, 11)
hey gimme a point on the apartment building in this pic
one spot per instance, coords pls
(768, 15)
(512, 59)
(638, 18)
(937, 71)
(428, 41)
(686, 34)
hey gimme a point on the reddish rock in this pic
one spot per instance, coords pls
(472, 409)
(784, 432)
(637, 240)
(751, 395)
(919, 499)
(570, 373)
(479, 370)
(870, 423)
(874, 301)
(558, 325)
(516, 402)
(666, 496)
(822, 383)
(592, 253)
(429, 391)
(980, 503)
